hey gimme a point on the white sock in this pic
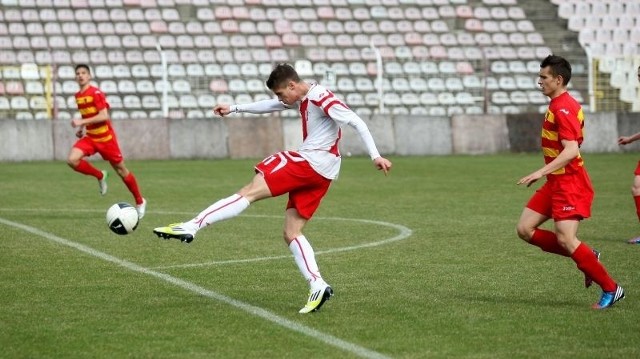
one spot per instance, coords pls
(306, 260)
(223, 209)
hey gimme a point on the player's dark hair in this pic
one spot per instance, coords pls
(82, 66)
(281, 75)
(559, 67)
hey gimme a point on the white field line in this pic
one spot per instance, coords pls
(253, 310)
(404, 233)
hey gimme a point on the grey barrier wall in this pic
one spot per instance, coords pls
(628, 124)
(477, 135)
(419, 136)
(258, 136)
(25, 140)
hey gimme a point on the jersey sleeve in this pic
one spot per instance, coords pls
(259, 107)
(345, 116)
(100, 100)
(569, 125)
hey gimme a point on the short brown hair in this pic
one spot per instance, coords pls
(281, 75)
(559, 67)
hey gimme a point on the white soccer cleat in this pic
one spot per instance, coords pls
(141, 208)
(103, 183)
(317, 298)
(176, 231)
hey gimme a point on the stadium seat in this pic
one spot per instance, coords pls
(519, 98)
(218, 86)
(436, 84)
(525, 82)
(19, 103)
(437, 111)
(188, 101)
(400, 84)
(181, 86)
(33, 88)
(454, 84)
(500, 98)
(24, 115)
(464, 98)
(536, 97)
(4, 102)
(207, 101)
(418, 84)
(364, 84)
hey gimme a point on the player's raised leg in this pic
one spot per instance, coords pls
(223, 209)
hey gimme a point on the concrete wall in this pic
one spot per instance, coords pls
(258, 136)
(25, 140)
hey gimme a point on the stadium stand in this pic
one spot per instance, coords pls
(473, 55)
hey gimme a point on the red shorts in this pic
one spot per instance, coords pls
(637, 171)
(288, 172)
(109, 150)
(564, 197)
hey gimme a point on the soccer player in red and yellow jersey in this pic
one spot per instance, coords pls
(567, 194)
(99, 138)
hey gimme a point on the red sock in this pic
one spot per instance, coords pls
(547, 241)
(588, 263)
(86, 168)
(636, 199)
(132, 185)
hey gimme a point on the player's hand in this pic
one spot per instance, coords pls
(383, 164)
(530, 179)
(76, 122)
(222, 110)
(622, 140)
(80, 132)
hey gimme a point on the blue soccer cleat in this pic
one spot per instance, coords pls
(634, 240)
(609, 298)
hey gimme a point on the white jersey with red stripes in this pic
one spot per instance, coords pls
(323, 115)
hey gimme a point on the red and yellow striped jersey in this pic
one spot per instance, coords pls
(90, 102)
(564, 120)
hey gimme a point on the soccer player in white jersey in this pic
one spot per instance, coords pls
(305, 174)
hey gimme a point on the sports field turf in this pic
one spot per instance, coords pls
(425, 263)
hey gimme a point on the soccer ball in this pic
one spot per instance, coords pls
(122, 218)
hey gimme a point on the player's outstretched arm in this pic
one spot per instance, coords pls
(258, 107)
(623, 140)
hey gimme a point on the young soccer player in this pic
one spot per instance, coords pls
(635, 188)
(567, 194)
(305, 174)
(99, 138)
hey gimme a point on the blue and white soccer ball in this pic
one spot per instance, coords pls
(122, 218)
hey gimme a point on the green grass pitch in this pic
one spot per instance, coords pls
(425, 264)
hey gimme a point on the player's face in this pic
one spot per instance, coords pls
(549, 85)
(82, 76)
(287, 94)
